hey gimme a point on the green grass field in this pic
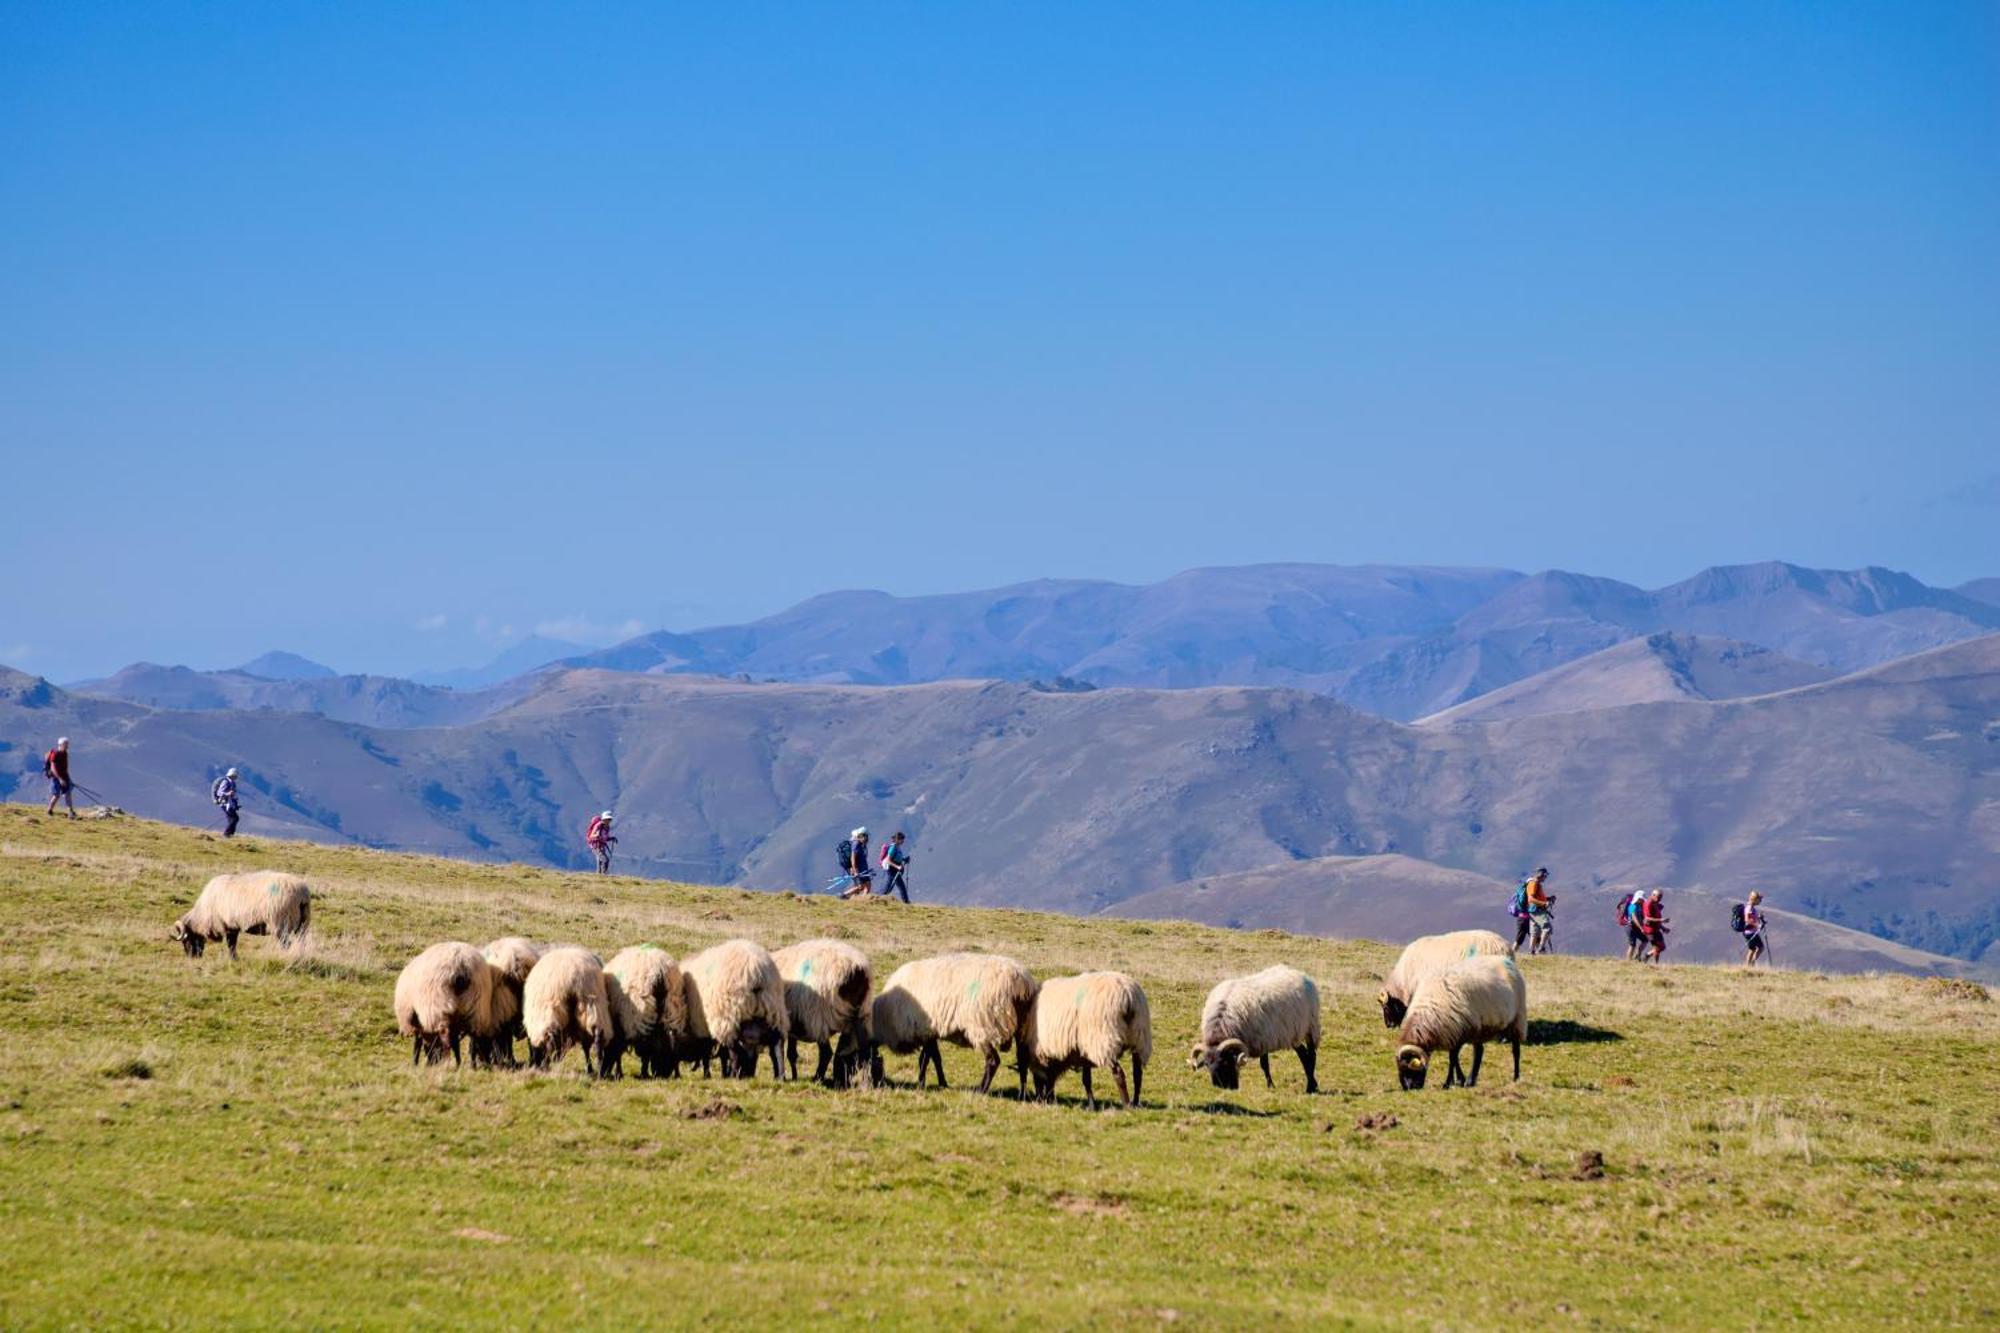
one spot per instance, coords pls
(193, 1142)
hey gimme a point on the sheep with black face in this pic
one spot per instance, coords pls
(1471, 1003)
(1248, 1018)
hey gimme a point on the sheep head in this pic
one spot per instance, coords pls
(1222, 1061)
(1393, 1009)
(191, 941)
(1412, 1063)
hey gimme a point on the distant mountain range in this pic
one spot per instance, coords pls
(1871, 800)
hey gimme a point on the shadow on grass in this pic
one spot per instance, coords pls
(1231, 1108)
(1556, 1031)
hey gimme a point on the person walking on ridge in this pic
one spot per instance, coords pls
(1629, 909)
(1653, 921)
(1532, 890)
(224, 795)
(895, 864)
(55, 767)
(854, 864)
(598, 836)
(1753, 924)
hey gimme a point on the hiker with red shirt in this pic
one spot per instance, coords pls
(55, 767)
(1653, 922)
(599, 838)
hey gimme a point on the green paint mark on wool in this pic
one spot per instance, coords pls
(806, 968)
(972, 991)
(1470, 950)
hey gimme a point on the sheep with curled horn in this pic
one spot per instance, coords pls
(1248, 1018)
(1429, 954)
(1472, 1002)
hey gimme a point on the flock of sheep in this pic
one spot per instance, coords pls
(736, 1001)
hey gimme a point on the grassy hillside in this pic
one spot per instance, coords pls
(190, 1142)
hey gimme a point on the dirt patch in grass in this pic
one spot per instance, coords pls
(715, 1108)
(1376, 1121)
(481, 1233)
(1089, 1205)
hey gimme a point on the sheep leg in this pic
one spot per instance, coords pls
(416, 1048)
(1454, 1075)
(1478, 1054)
(230, 936)
(1089, 1093)
(1264, 1063)
(777, 1072)
(792, 1056)
(1308, 1057)
(992, 1068)
(937, 1062)
(1138, 1076)
(1517, 1058)
(825, 1059)
(455, 1038)
(1118, 1076)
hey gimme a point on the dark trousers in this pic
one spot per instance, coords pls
(896, 884)
(229, 815)
(603, 859)
(1520, 931)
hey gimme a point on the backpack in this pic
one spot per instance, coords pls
(1625, 908)
(1519, 907)
(595, 833)
(215, 792)
(846, 854)
(1736, 917)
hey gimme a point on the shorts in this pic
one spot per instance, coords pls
(865, 878)
(58, 787)
(1634, 935)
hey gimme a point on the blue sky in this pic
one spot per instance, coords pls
(371, 331)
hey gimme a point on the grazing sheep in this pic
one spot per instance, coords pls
(648, 1010)
(256, 902)
(1475, 1000)
(826, 995)
(1432, 953)
(735, 1005)
(514, 958)
(447, 993)
(969, 999)
(1245, 1017)
(564, 1004)
(1085, 1022)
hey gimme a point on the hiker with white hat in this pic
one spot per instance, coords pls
(55, 767)
(854, 864)
(598, 836)
(224, 795)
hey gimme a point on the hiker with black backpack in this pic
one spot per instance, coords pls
(224, 795)
(853, 854)
(1747, 920)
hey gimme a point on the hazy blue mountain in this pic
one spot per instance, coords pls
(1868, 800)
(530, 654)
(285, 666)
(1400, 642)
(376, 701)
(1981, 590)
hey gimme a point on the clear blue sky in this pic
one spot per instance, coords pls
(350, 328)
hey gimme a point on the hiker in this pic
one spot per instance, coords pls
(1525, 897)
(895, 865)
(854, 864)
(1750, 920)
(1653, 921)
(224, 794)
(55, 767)
(1542, 924)
(598, 836)
(1629, 909)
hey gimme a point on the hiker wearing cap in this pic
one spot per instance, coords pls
(598, 835)
(895, 862)
(55, 767)
(855, 864)
(224, 794)
(1630, 908)
(1753, 929)
(1653, 921)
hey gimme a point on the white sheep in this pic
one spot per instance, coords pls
(648, 1010)
(1475, 1000)
(1250, 1017)
(1086, 1022)
(735, 1006)
(826, 997)
(1433, 953)
(969, 999)
(564, 1004)
(256, 902)
(447, 993)
(514, 958)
